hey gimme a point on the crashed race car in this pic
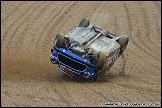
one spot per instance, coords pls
(87, 51)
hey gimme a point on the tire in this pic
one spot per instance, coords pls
(101, 60)
(84, 22)
(123, 41)
(59, 40)
(95, 76)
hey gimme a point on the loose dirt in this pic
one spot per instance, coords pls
(28, 29)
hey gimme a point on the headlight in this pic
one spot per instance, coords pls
(53, 59)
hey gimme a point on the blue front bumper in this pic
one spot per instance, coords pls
(72, 64)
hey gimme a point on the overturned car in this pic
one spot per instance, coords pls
(87, 51)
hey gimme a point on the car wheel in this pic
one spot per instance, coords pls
(59, 40)
(84, 22)
(94, 78)
(123, 41)
(101, 60)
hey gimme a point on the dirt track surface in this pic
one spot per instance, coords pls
(28, 78)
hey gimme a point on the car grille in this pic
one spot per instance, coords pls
(71, 62)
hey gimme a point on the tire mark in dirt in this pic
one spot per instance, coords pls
(147, 26)
(143, 43)
(75, 7)
(103, 96)
(62, 97)
(149, 98)
(38, 98)
(49, 92)
(145, 97)
(100, 94)
(6, 93)
(157, 5)
(58, 21)
(116, 31)
(113, 96)
(97, 7)
(48, 5)
(144, 82)
(16, 29)
(137, 87)
(158, 27)
(84, 87)
(53, 17)
(32, 40)
(62, 20)
(64, 86)
(133, 41)
(63, 16)
(27, 27)
(14, 10)
(14, 22)
(158, 24)
(146, 60)
(128, 17)
(11, 25)
(38, 30)
(41, 31)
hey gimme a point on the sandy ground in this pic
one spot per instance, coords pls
(28, 29)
